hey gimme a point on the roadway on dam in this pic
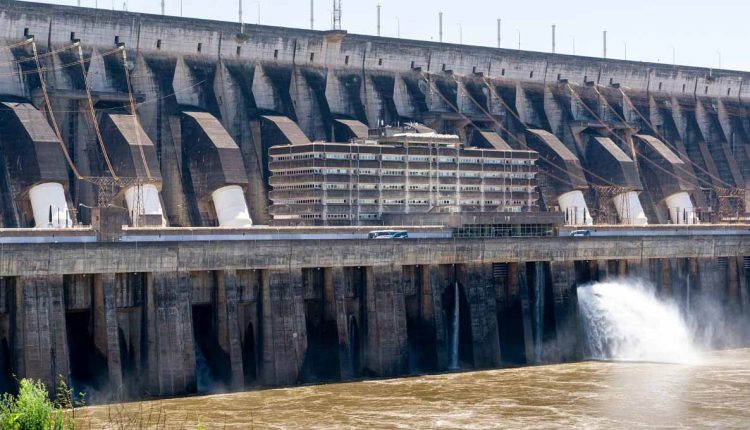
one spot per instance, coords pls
(79, 252)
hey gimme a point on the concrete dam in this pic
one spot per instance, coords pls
(186, 204)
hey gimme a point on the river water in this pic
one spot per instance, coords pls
(591, 395)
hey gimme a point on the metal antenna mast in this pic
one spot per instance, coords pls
(379, 19)
(337, 14)
(441, 27)
(242, 24)
(499, 33)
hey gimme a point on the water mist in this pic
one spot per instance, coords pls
(624, 321)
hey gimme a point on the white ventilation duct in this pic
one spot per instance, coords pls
(231, 209)
(144, 200)
(50, 198)
(681, 210)
(629, 209)
(573, 205)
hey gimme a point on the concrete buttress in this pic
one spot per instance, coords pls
(105, 329)
(386, 338)
(170, 346)
(480, 292)
(227, 302)
(284, 333)
(40, 344)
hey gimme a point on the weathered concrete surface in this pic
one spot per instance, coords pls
(170, 349)
(38, 259)
(385, 344)
(480, 291)
(40, 344)
(284, 335)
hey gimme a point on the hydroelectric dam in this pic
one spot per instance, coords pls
(191, 205)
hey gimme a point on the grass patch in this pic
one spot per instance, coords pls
(32, 408)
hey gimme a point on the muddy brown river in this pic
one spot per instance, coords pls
(593, 395)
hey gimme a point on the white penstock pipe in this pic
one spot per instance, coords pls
(573, 205)
(144, 200)
(629, 209)
(231, 208)
(50, 206)
(681, 210)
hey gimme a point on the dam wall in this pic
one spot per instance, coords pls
(132, 319)
(674, 139)
(182, 109)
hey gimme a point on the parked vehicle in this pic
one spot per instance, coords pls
(580, 233)
(389, 234)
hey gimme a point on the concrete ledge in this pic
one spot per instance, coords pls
(89, 258)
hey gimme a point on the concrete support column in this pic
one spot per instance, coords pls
(523, 293)
(227, 302)
(170, 346)
(438, 281)
(479, 286)
(283, 331)
(334, 290)
(386, 350)
(733, 286)
(743, 285)
(602, 270)
(106, 336)
(567, 330)
(40, 341)
(666, 278)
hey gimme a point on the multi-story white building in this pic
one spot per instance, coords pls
(397, 171)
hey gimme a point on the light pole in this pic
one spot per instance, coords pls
(573, 38)
(460, 34)
(519, 38)
(398, 28)
(719, 53)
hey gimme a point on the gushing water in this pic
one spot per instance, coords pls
(624, 321)
(455, 333)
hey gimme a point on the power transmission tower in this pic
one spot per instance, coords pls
(337, 14)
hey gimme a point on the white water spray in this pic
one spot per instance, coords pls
(624, 321)
(454, 335)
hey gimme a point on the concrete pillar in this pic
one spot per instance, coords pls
(440, 278)
(386, 349)
(693, 284)
(227, 315)
(283, 334)
(170, 346)
(334, 292)
(666, 278)
(479, 286)
(523, 293)
(40, 346)
(602, 269)
(743, 286)
(733, 286)
(567, 329)
(106, 336)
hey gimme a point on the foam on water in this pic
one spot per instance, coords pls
(624, 321)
